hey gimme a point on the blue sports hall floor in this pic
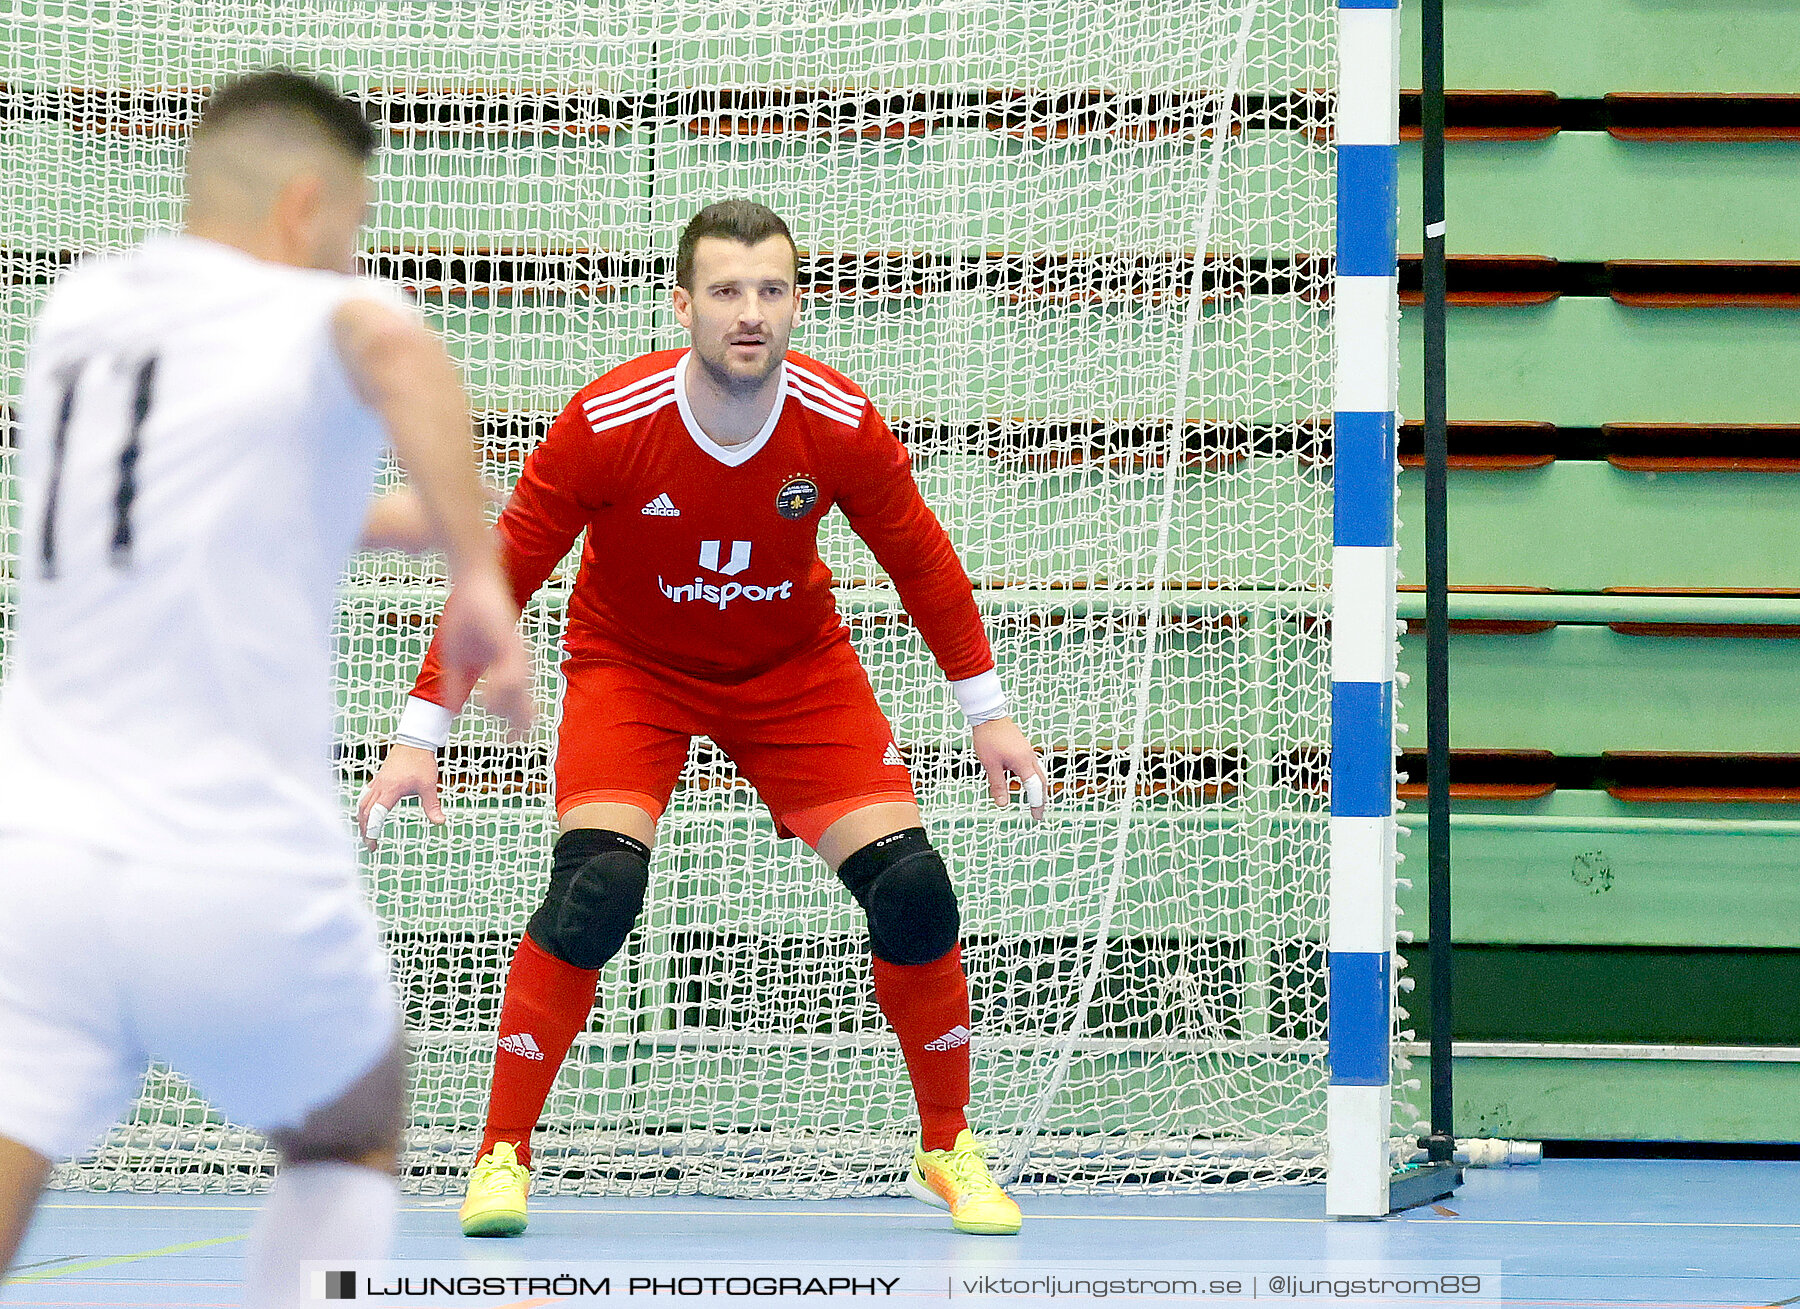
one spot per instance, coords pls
(1565, 1233)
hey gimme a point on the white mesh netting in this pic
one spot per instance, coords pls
(999, 204)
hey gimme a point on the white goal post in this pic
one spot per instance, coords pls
(1121, 275)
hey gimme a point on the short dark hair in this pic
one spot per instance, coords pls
(283, 93)
(743, 221)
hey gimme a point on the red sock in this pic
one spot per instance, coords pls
(928, 1007)
(546, 1007)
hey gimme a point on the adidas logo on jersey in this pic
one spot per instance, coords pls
(661, 507)
(522, 1044)
(892, 756)
(950, 1040)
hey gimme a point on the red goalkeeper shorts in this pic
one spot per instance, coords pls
(807, 734)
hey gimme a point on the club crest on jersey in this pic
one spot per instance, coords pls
(797, 498)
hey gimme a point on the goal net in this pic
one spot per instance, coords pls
(1080, 255)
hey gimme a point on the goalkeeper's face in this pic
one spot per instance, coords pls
(741, 310)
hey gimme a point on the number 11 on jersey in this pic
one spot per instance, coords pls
(143, 390)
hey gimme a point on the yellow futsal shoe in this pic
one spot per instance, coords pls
(957, 1179)
(498, 1185)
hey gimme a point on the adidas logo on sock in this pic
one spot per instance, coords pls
(522, 1044)
(661, 507)
(958, 1035)
(892, 757)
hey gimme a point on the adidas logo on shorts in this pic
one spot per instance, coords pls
(661, 507)
(522, 1044)
(958, 1035)
(892, 757)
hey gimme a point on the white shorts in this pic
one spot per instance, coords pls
(271, 992)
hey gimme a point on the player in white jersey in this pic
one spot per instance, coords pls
(202, 424)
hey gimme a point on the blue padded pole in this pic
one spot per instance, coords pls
(1365, 322)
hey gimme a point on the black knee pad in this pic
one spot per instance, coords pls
(904, 888)
(597, 881)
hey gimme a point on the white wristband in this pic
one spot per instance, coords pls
(982, 697)
(424, 724)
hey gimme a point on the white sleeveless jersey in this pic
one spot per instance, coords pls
(194, 471)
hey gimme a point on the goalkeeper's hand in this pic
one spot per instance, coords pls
(1005, 754)
(407, 770)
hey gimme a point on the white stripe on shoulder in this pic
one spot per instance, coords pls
(830, 411)
(802, 387)
(645, 396)
(622, 419)
(608, 397)
(828, 390)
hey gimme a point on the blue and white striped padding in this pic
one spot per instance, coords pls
(1365, 323)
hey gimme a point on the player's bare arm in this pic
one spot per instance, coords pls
(537, 526)
(403, 372)
(400, 521)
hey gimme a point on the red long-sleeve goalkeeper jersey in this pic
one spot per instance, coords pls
(704, 558)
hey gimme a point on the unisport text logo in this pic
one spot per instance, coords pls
(701, 589)
(711, 553)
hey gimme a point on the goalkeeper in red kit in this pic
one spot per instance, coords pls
(702, 608)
